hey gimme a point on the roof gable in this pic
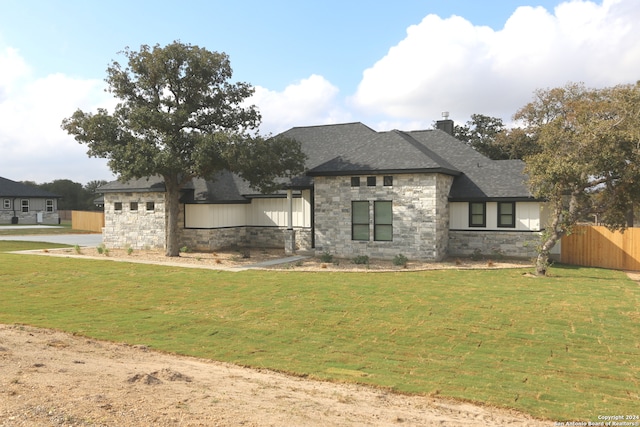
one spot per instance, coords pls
(355, 148)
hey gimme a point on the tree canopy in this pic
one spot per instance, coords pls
(587, 156)
(181, 117)
(489, 136)
(74, 195)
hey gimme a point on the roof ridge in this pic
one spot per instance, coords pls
(334, 125)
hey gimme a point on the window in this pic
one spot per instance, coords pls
(6, 204)
(355, 181)
(477, 214)
(387, 181)
(382, 221)
(371, 181)
(117, 206)
(49, 206)
(359, 220)
(133, 206)
(507, 214)
(25, 206)
(151, 206)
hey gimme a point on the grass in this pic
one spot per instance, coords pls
(565, 347)
(64, 228)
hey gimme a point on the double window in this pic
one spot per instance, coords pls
(49, 205)
(382, 220)
(6, 204)
(25, 205)
(506, 214)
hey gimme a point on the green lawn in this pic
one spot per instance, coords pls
(566, 347)
(23, 230)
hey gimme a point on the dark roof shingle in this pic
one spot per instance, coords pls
(10, 188)
(353, 148)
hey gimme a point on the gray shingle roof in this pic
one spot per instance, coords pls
(353, 149)
(481, 178)
(10, 188)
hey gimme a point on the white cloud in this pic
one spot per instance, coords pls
(450, 64)
(310, 101)
(33, 145)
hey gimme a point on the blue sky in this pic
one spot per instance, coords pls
(388, 64)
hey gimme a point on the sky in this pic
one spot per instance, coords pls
(389, 65)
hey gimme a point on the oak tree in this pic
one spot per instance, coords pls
(179, 116)
(587, 156)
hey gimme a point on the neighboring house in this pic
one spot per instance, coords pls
(423, 194)
(24, 204)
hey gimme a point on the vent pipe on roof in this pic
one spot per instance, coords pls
(445, 124)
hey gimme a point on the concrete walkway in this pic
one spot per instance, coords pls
(269, 263)
(64, 239)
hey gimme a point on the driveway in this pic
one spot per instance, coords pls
(66, 239)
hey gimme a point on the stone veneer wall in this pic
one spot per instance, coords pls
(136, 229)
(518, 244)
(420, 216)
(29, 217)
(208, 239)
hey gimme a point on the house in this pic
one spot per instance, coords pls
(25, 204)
(423, 194)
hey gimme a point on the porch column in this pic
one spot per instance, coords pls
(289, 234)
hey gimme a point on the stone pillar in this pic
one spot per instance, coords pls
(289, 242)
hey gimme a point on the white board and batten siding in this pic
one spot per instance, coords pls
(261, 212)
(528, 216)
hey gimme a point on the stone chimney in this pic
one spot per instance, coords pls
(445, 124)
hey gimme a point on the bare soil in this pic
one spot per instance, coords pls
(50, 378)
(237, 259)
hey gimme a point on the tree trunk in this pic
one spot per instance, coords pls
(542, 261)
(173, 212)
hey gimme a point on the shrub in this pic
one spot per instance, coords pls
(77, 249)
(129, 250)
(497, 253)
(361, 260)
(400, 260)
(326, 257)
(185, 249)
(100, 249)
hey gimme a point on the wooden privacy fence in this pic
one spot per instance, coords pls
(89, 221)
(596, 246)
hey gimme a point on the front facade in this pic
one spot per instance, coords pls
(423, 194)
(382, 216)
(24, 204)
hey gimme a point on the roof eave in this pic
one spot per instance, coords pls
(444, 171)
(496, 199)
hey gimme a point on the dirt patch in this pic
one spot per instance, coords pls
(242, 258)
(56, 379)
